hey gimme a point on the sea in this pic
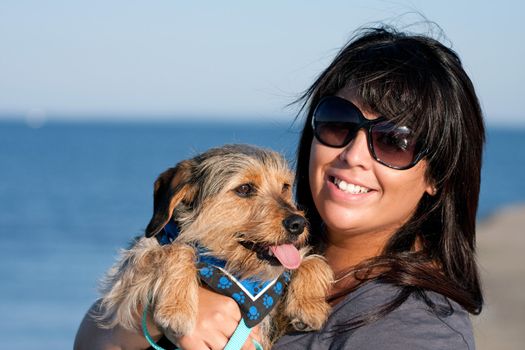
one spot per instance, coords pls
(73, 193)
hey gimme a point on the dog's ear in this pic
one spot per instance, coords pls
(171, 187)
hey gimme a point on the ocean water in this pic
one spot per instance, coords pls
(72, 194)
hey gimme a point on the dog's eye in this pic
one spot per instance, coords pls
(286, 188)
(245, 190)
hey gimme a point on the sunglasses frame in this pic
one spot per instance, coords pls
(367, 125)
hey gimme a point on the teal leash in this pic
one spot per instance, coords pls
(237, 340)
(239, 337)
(148, 337)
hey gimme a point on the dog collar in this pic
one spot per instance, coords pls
(171, 231)
(255, 297)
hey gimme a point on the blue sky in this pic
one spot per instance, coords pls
(235, 59)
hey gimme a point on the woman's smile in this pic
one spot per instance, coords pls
(350, 187)
(343, 188)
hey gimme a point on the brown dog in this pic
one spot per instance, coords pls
(236, 201)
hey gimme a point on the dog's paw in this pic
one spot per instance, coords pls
(309, 316)
(178, 320)
(307, 313)
(175, 307)
(306, 305)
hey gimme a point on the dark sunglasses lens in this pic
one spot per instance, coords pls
(335, 122)
(333, 134)
(393, 145)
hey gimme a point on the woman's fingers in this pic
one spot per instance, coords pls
(217, 319)
(208, 335)
(195, 341)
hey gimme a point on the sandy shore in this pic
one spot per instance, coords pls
(501, 256)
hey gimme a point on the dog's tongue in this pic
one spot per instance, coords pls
(288, 255)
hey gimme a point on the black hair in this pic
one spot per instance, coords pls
(417, 81)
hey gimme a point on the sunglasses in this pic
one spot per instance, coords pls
(336, 121)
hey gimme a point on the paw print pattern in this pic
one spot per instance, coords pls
(253, 309)
(206, 272)
(267, 301)
(224, 283)
(253, 313)
(239, 297)
(278, 288)
(286, 276)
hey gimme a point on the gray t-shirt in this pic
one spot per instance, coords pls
(412, 325)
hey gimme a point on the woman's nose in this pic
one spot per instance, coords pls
(356, 153)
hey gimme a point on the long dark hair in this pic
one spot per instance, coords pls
(417, 81)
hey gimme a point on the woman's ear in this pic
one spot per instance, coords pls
(171, 187)
(431, 189)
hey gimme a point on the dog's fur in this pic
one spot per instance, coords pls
(228, 199)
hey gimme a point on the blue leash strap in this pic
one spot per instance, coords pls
(148, 337)
(239, 336)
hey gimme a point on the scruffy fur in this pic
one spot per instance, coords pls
(206, 196)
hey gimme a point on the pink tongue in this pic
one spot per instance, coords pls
(288, 255)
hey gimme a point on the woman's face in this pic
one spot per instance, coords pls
(355, 194)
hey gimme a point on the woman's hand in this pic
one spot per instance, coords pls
(217, 319)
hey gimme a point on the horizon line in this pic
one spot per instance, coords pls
(39, 119)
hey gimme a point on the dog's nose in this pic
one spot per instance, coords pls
(294, 224)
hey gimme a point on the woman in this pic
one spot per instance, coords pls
(393, 205)
(388, 173)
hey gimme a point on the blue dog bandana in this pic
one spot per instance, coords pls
(255, 298)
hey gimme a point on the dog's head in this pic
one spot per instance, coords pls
(236, 201)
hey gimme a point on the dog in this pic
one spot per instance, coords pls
(234, 203)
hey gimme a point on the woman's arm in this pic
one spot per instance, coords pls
(92, 337)
(217, 319)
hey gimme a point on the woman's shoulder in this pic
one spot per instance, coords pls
(413, 325)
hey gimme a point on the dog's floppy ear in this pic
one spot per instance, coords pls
(171, 187)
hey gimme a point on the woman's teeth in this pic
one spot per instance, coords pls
(349, 188)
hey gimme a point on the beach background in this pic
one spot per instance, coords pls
(97, 99)
(73, 194)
